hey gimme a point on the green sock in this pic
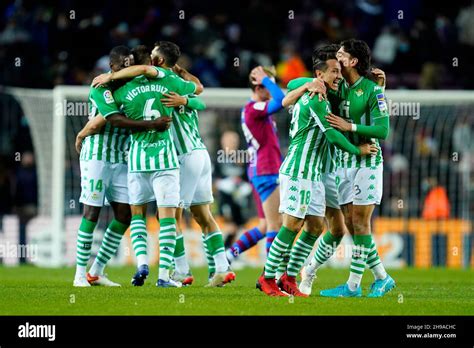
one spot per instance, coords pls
(360, 252)
(210, 260)
(215, 244)
(181, 264)
(139, 236)
(375, 264)
(284, 263)
(326, 248)
(108, 248)
(283, 240)
(179, 249)
(300, 252)
(167, 246)
(84, 245)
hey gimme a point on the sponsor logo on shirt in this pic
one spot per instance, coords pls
(259, 106)
(381, 101)
(109, 99)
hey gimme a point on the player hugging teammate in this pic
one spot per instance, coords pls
(316, 178)
(147, 98)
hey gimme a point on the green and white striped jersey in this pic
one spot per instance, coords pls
(361, 103)
(139, 99)
(185, 126)
(308, 152)
(111, 143)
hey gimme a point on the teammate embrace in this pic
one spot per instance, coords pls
(156, 170)
(327, 171)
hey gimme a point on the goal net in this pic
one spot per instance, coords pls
(428, 153)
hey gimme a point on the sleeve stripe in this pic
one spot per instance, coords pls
(110, 113)
(316, 118)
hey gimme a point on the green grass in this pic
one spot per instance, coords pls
(34, 291)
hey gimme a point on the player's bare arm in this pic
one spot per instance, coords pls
(93, 126)
(186, 75)
(379, 75)
(314, 87)
(160, 124)
(127, 73)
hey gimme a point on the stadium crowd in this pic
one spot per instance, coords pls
(58, 42)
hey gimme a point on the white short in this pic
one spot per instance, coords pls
(360, 186)
(195, 176)
(301, 197)
(330, 187)
(101, 181)
(161, 186)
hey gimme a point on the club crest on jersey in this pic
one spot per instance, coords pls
(359, 92)
(381, 101)
(109, 99)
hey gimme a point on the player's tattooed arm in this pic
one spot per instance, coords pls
(128, 73)
(93, 126)
(314, 87)
(186, 75)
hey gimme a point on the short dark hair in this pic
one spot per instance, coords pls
(169, 51)
(141, 55)
(118, 54)
(360, 50)
(322, 54)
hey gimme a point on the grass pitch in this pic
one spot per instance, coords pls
(36, 291)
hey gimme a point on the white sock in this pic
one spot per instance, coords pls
(312, 266)
(222, 265)
(81, 271)
(181, 264)
(164, 274)
(230, 255)
(354, 281)
(379, 271)
(97, 269)
(142, 260)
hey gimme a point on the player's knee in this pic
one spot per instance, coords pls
(125, 217)
(203, 218)
(91, 213)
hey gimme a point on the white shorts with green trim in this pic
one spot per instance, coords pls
(301, 197)
(330, 188)
(195, 176)
(161, 186)
(103, 181)
(360, 186)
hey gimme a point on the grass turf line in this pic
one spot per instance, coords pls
(29, 290)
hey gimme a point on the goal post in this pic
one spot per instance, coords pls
(426, 117)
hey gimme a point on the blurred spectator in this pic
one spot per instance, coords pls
(50, 39)
(26, 194)
(385, 47)
(229, 179)
(291, 66)
(5, 190)
(436, 205)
